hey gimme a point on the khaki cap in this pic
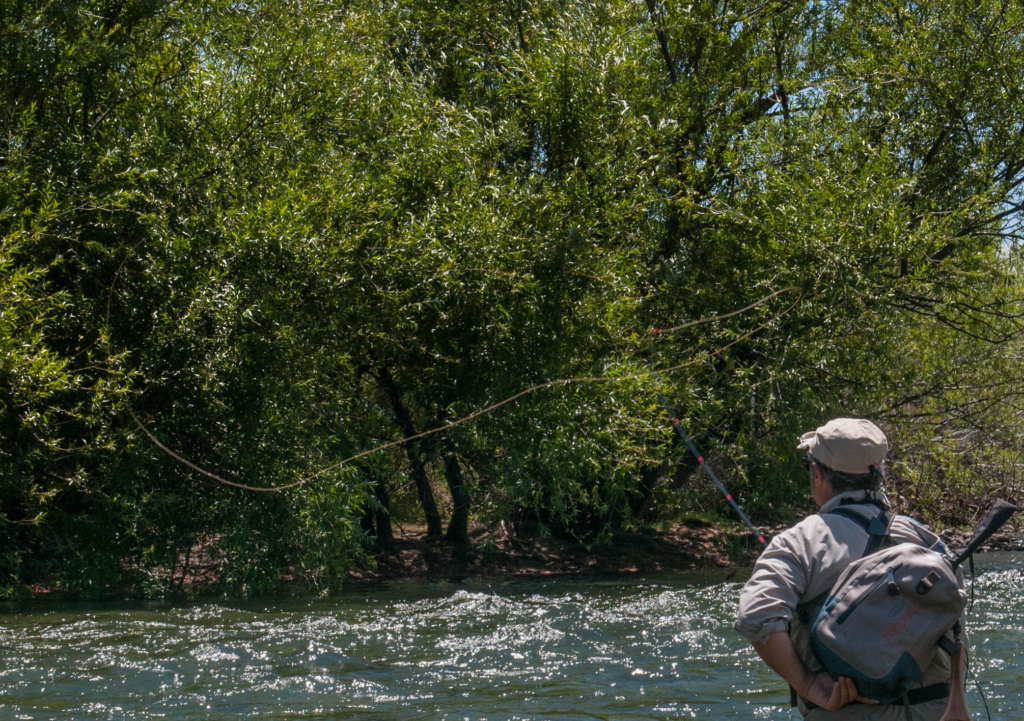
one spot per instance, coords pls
(847, 445)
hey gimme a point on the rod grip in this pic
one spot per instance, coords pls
(956, 706)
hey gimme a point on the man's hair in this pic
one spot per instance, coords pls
(841, 482)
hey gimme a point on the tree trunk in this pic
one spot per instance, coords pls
(385, 536)
(376, 521)
(419, 475)
(659, 30)
(458, 526)
(642, 505)
(366, 521)
(412, 450)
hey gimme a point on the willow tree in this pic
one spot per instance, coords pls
(285, 233)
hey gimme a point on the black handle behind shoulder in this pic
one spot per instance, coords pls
(1000, 514)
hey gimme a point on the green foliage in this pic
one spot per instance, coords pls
(286, 233)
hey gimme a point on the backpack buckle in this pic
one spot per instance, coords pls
(927, 583)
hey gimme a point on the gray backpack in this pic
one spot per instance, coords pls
(887, 614)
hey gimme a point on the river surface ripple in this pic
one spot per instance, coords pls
(625, 649)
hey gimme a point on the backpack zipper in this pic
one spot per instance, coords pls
(894, 589)
(874, 587)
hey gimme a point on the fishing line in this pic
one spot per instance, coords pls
(970, 564)
(977, 684)
(495, 406)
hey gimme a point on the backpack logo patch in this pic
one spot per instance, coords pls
(893, 629)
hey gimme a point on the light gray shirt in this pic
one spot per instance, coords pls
(805, 561)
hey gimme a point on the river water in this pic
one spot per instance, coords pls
(654, 648)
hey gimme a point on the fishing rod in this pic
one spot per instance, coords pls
(700, 459)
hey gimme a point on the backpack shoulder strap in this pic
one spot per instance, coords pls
(849, 513)
(877, 528)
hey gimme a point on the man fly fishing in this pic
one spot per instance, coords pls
(791, 598)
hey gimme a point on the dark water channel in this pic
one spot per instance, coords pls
(655, 648)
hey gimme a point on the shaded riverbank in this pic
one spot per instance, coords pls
(498, 554)
(684, 547)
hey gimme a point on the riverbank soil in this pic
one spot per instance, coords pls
(496, 553)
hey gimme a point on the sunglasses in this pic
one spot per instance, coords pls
(809, 461)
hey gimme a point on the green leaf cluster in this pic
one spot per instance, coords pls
(287, 232)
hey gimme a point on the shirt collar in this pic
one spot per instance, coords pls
(849, 497)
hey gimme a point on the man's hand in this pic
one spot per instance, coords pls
(833, 695)
(819, 688)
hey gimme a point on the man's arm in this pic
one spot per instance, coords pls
(819, 688)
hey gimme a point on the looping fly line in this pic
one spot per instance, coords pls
(657, 332)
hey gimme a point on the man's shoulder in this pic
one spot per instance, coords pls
(810, 528)
(818, 528)
(828, 527)
(902, 529)
(909, 530)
